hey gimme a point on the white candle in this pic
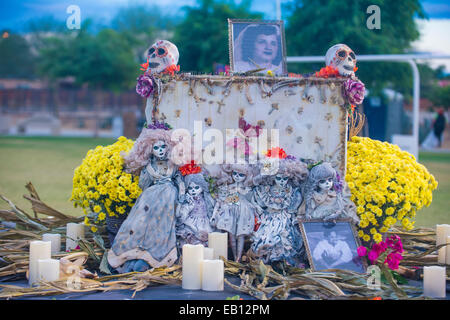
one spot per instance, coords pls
(74, 232)
(447, 251)
(38, 250)
(208, 253)
(48, 269)
(55, 239)
(192, 266)
(434, 282)
(442, 232)
(219, 242)
(212, 275)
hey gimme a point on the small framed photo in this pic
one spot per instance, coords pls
(257, 44)
(332, 246)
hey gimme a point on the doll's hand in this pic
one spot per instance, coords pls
(189, 199)
(182, 198)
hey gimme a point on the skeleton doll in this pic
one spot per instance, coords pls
(147, 237)
(324, 198)
(195, 210)
(277, 197)
(235, 214)
(343, 58)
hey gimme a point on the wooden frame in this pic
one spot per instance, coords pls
(359, 264)
(255, 23)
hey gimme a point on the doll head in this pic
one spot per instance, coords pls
(240, 173)
(322, 177)
(281, 180)
(196, 184)
(290, 171)
(159, 150)
(150, 143)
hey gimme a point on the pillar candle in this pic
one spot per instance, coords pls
(55, 239)
(38, 250)
(447, 251)
(219, 242)
(442, 232)
(434, 282)
(212, 275)
(74, 232)
(192, 266)
(48, 269)
(208, 253)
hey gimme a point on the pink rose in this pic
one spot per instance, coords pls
(354, 91)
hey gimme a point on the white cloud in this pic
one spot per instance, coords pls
(434, 39)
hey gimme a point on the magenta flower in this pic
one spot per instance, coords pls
(354, 90)
(362, 251)
(144, 86)
(373, 256)
(393, 260)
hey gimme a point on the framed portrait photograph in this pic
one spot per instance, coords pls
(256, 44)
(332, 246)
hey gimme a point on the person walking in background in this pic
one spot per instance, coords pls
(439, 125)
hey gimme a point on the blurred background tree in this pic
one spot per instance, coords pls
(315, 25)
(16, 58)
(202, 37)
(103, 60)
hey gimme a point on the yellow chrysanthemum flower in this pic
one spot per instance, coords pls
(100, 181)
(387, 185)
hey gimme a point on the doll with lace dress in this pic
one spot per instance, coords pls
(324, 198)
(277, 196)
(195, 210)
(234, 213)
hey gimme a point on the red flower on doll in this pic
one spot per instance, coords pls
(190, 168)
(276, 152)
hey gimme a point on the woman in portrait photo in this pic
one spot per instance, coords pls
(258, 46)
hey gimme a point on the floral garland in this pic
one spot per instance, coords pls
(101, 187)
(387, 186)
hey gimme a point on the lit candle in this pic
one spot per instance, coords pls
(219, 242)
(75, 231)
(55, 239)
(212, 275)
(434, 282)
(38, 250)
(192, 266)
(48, 269)
(208, 253)
(442, 232)
(447, 251)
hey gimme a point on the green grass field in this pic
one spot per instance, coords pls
(49, 164)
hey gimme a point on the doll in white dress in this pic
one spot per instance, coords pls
(195, 210)
(235, 214)
(324, 198)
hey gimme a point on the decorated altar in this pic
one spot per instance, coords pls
(249, 183)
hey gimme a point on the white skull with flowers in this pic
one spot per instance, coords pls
(343, 58)
(162, 54)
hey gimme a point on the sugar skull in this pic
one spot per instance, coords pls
(343, 58)
(161, 55)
